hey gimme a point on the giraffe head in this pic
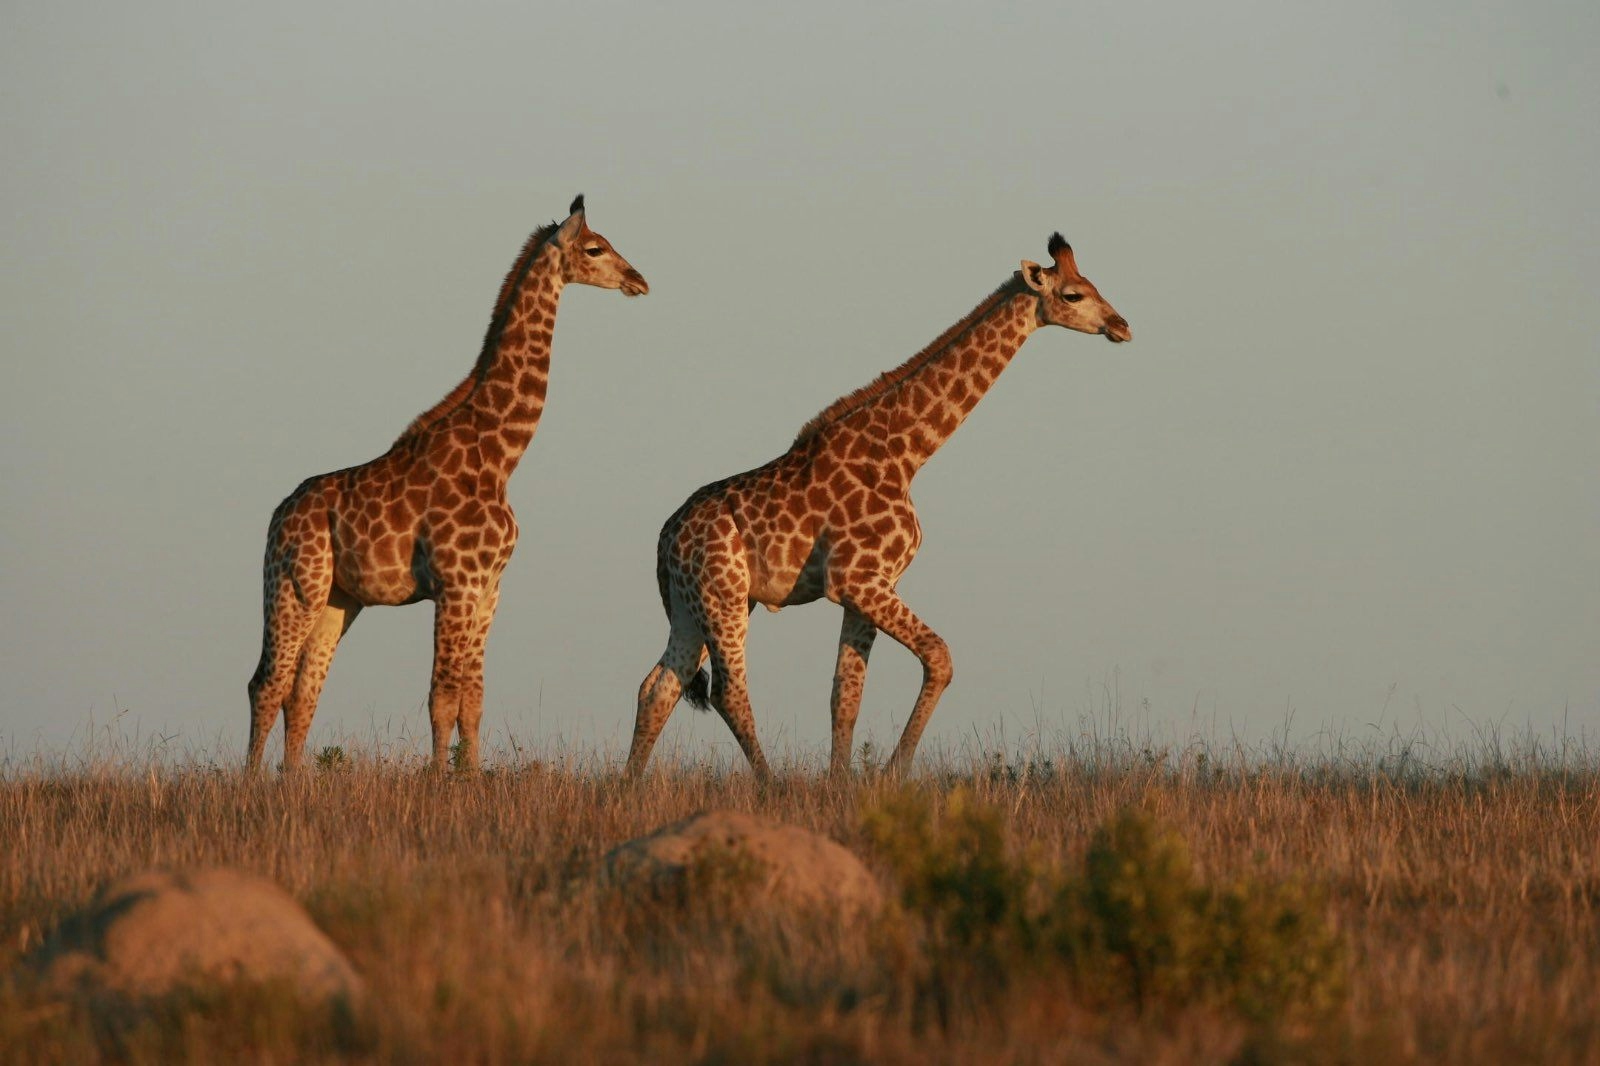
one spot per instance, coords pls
(1067, 298)
(588, 258)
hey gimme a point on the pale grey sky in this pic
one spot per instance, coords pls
(1348, 462)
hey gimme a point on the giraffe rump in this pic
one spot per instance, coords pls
(698, 690)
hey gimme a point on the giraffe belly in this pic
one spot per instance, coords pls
(388, 577)
(789, 586)
(389, 587)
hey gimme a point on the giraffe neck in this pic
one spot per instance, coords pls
(917, 406)
(505, 403)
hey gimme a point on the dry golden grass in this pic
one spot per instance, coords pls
(1465, 893)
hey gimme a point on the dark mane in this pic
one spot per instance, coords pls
(891, 379)
(491, 341)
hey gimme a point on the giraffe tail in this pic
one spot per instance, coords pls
(698, 691)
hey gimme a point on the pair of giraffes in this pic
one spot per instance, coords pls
(831, 517)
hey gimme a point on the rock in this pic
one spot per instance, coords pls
(155, 932)
(799, 868)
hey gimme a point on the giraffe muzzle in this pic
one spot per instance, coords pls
(1116, 330)
(633, 284)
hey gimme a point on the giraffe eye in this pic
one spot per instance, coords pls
(593, 253)
(1072, 297)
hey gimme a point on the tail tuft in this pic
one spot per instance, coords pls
(698, 692)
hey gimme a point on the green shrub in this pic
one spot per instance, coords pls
(1136, 917)
(332, 759)
(1276, 950)
(1137, 925)
(953, 871)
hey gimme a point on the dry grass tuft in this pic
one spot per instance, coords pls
(1370, 910)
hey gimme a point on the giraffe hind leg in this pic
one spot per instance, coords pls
(287, 624)
(676, 674)
(730, 693)
(316, 655)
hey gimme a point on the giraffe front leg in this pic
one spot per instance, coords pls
(457, 672)
(471, 713)
(878, 602)
(849, 677)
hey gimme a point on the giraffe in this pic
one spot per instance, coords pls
(832, 517)
(429, 518)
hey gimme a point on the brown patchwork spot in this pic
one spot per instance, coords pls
(386, 551)
(868, 476)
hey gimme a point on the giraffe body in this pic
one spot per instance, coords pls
(428, 519)
(832, 518)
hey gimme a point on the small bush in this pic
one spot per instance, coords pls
(1140, 923)
(1276, 949)
(954, 872)
(332, 759)
(1135, 920)
(1137, 924)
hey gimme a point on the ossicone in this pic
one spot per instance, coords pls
(1061, 252)
(577, 205)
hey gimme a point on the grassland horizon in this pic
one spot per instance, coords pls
(1460, 881)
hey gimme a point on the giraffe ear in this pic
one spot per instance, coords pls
(574, 223)
(1033, 275)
